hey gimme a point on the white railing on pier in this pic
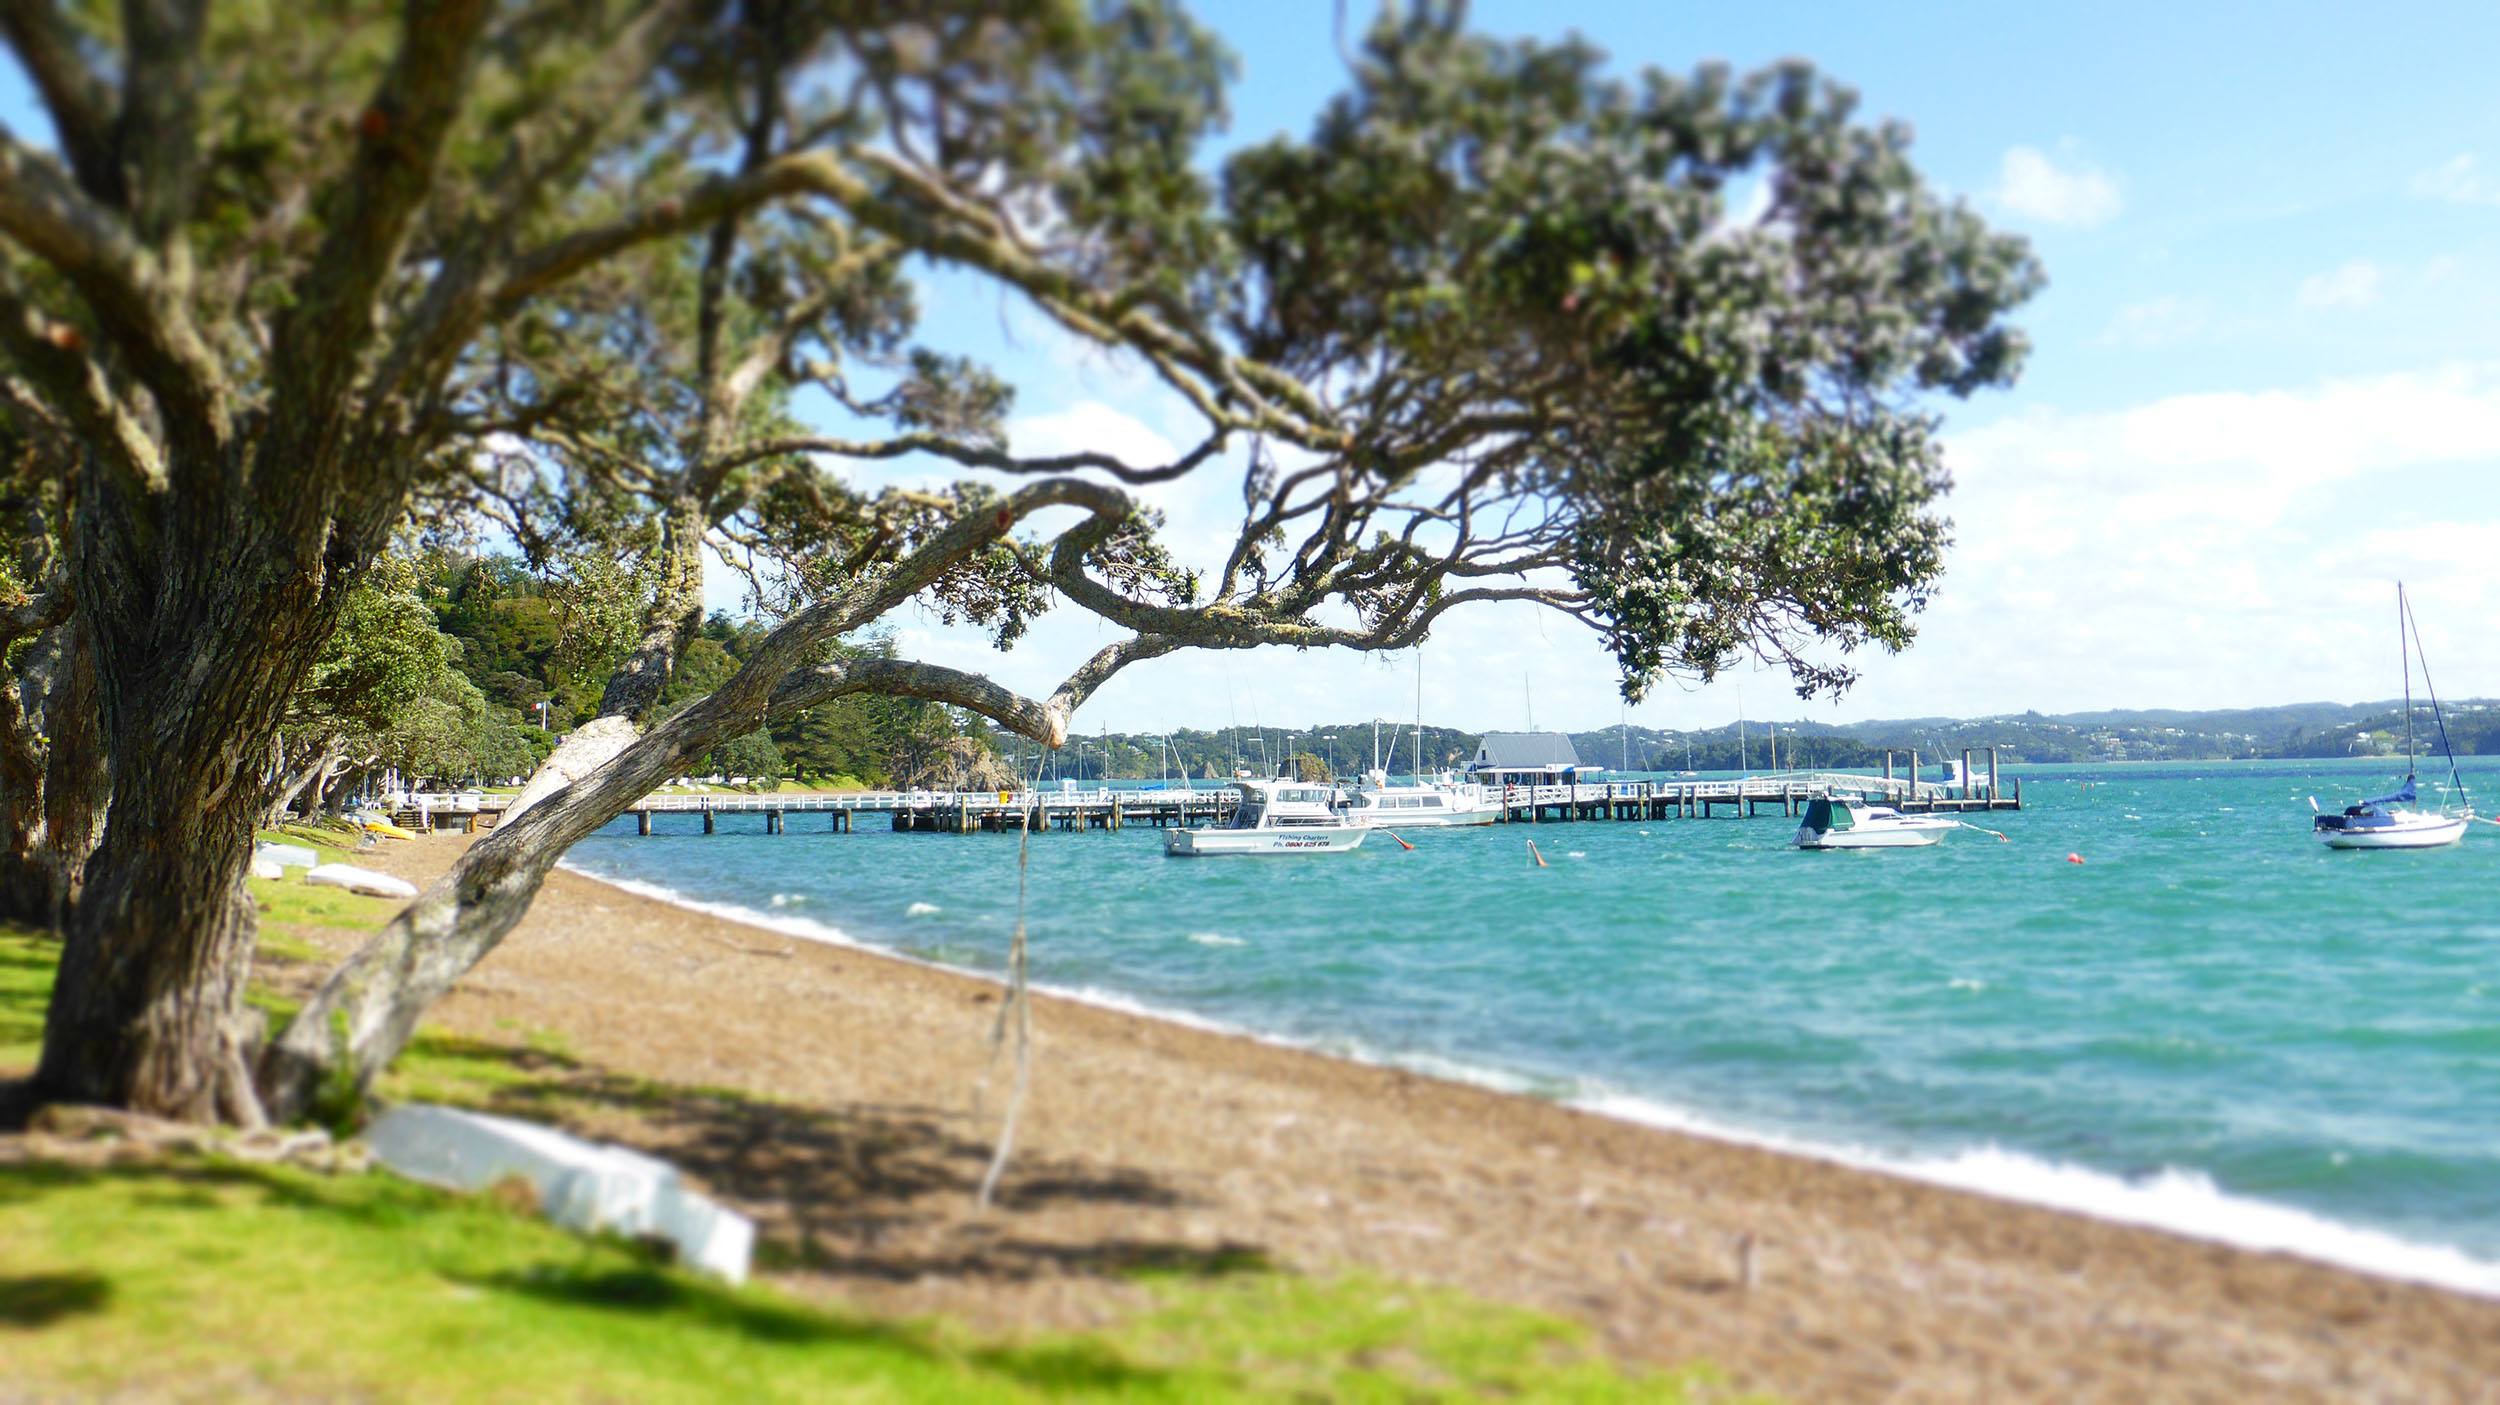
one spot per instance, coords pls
(1149, 802)
(977, 801)
(1771, 787)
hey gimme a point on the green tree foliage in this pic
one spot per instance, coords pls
(1716, 426)
(386, 654)
(390, 689)
(753, 759)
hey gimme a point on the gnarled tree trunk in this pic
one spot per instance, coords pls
(77, 785)
(197, 643)
(314, 774)
(365, 1013)
(25, 878)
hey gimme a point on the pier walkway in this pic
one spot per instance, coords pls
(966, 812)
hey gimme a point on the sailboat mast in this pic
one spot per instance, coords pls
(2456, 782)
(1419, 716)
(2404, 655)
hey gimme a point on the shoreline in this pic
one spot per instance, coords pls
(1795, 1273)
(2182, 1201)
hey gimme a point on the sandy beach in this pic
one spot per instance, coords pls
(846, 1123)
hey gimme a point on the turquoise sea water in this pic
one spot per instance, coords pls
(2212, 1023)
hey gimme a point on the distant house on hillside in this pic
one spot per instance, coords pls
(1525, 758)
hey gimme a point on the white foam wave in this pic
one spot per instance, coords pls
(2183, 1202)
(788, 899)
(922, 910)
(806, 929)
(1966, 983)
(1215, 939)
(1113, 1000)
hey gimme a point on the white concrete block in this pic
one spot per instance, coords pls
(581, 1185)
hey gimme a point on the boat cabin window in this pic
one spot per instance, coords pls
(1246, 817)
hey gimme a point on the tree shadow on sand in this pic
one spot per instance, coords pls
(870, 1191)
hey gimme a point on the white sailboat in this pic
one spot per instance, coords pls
(2398, 820)
(1274, 817)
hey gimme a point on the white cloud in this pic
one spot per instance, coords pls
(2458, 180)
(1202, 510)
(2355, 284)
(2207, 550)
(2031, 184)
(2198, 550)
(1089, 426)
(2160, 322)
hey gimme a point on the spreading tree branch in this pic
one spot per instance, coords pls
(321, 343)
(73, 94)
(123, 286)
(157, 138)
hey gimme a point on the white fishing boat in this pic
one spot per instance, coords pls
(1854, 822)
(2399, 820)
(1274, 817)
(1439, 803)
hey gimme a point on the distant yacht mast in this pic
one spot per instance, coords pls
(1419, 714)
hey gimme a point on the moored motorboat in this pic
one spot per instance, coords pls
(1854, 822)
(1274, 817)
(1440, 803)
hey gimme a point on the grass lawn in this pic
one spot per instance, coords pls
(203, 1278)
(215, 1280)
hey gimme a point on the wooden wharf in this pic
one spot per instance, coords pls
(969, 812)
(957, 812)
(1789, 792)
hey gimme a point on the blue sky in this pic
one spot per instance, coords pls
(2266, 376)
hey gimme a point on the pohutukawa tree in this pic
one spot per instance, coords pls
(1490, 333)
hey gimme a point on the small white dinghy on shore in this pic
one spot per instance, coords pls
(1853, 822)
(1274, 817)
(586, 1186)
(359, 880)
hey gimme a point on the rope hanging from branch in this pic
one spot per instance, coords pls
(1015, 1010)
